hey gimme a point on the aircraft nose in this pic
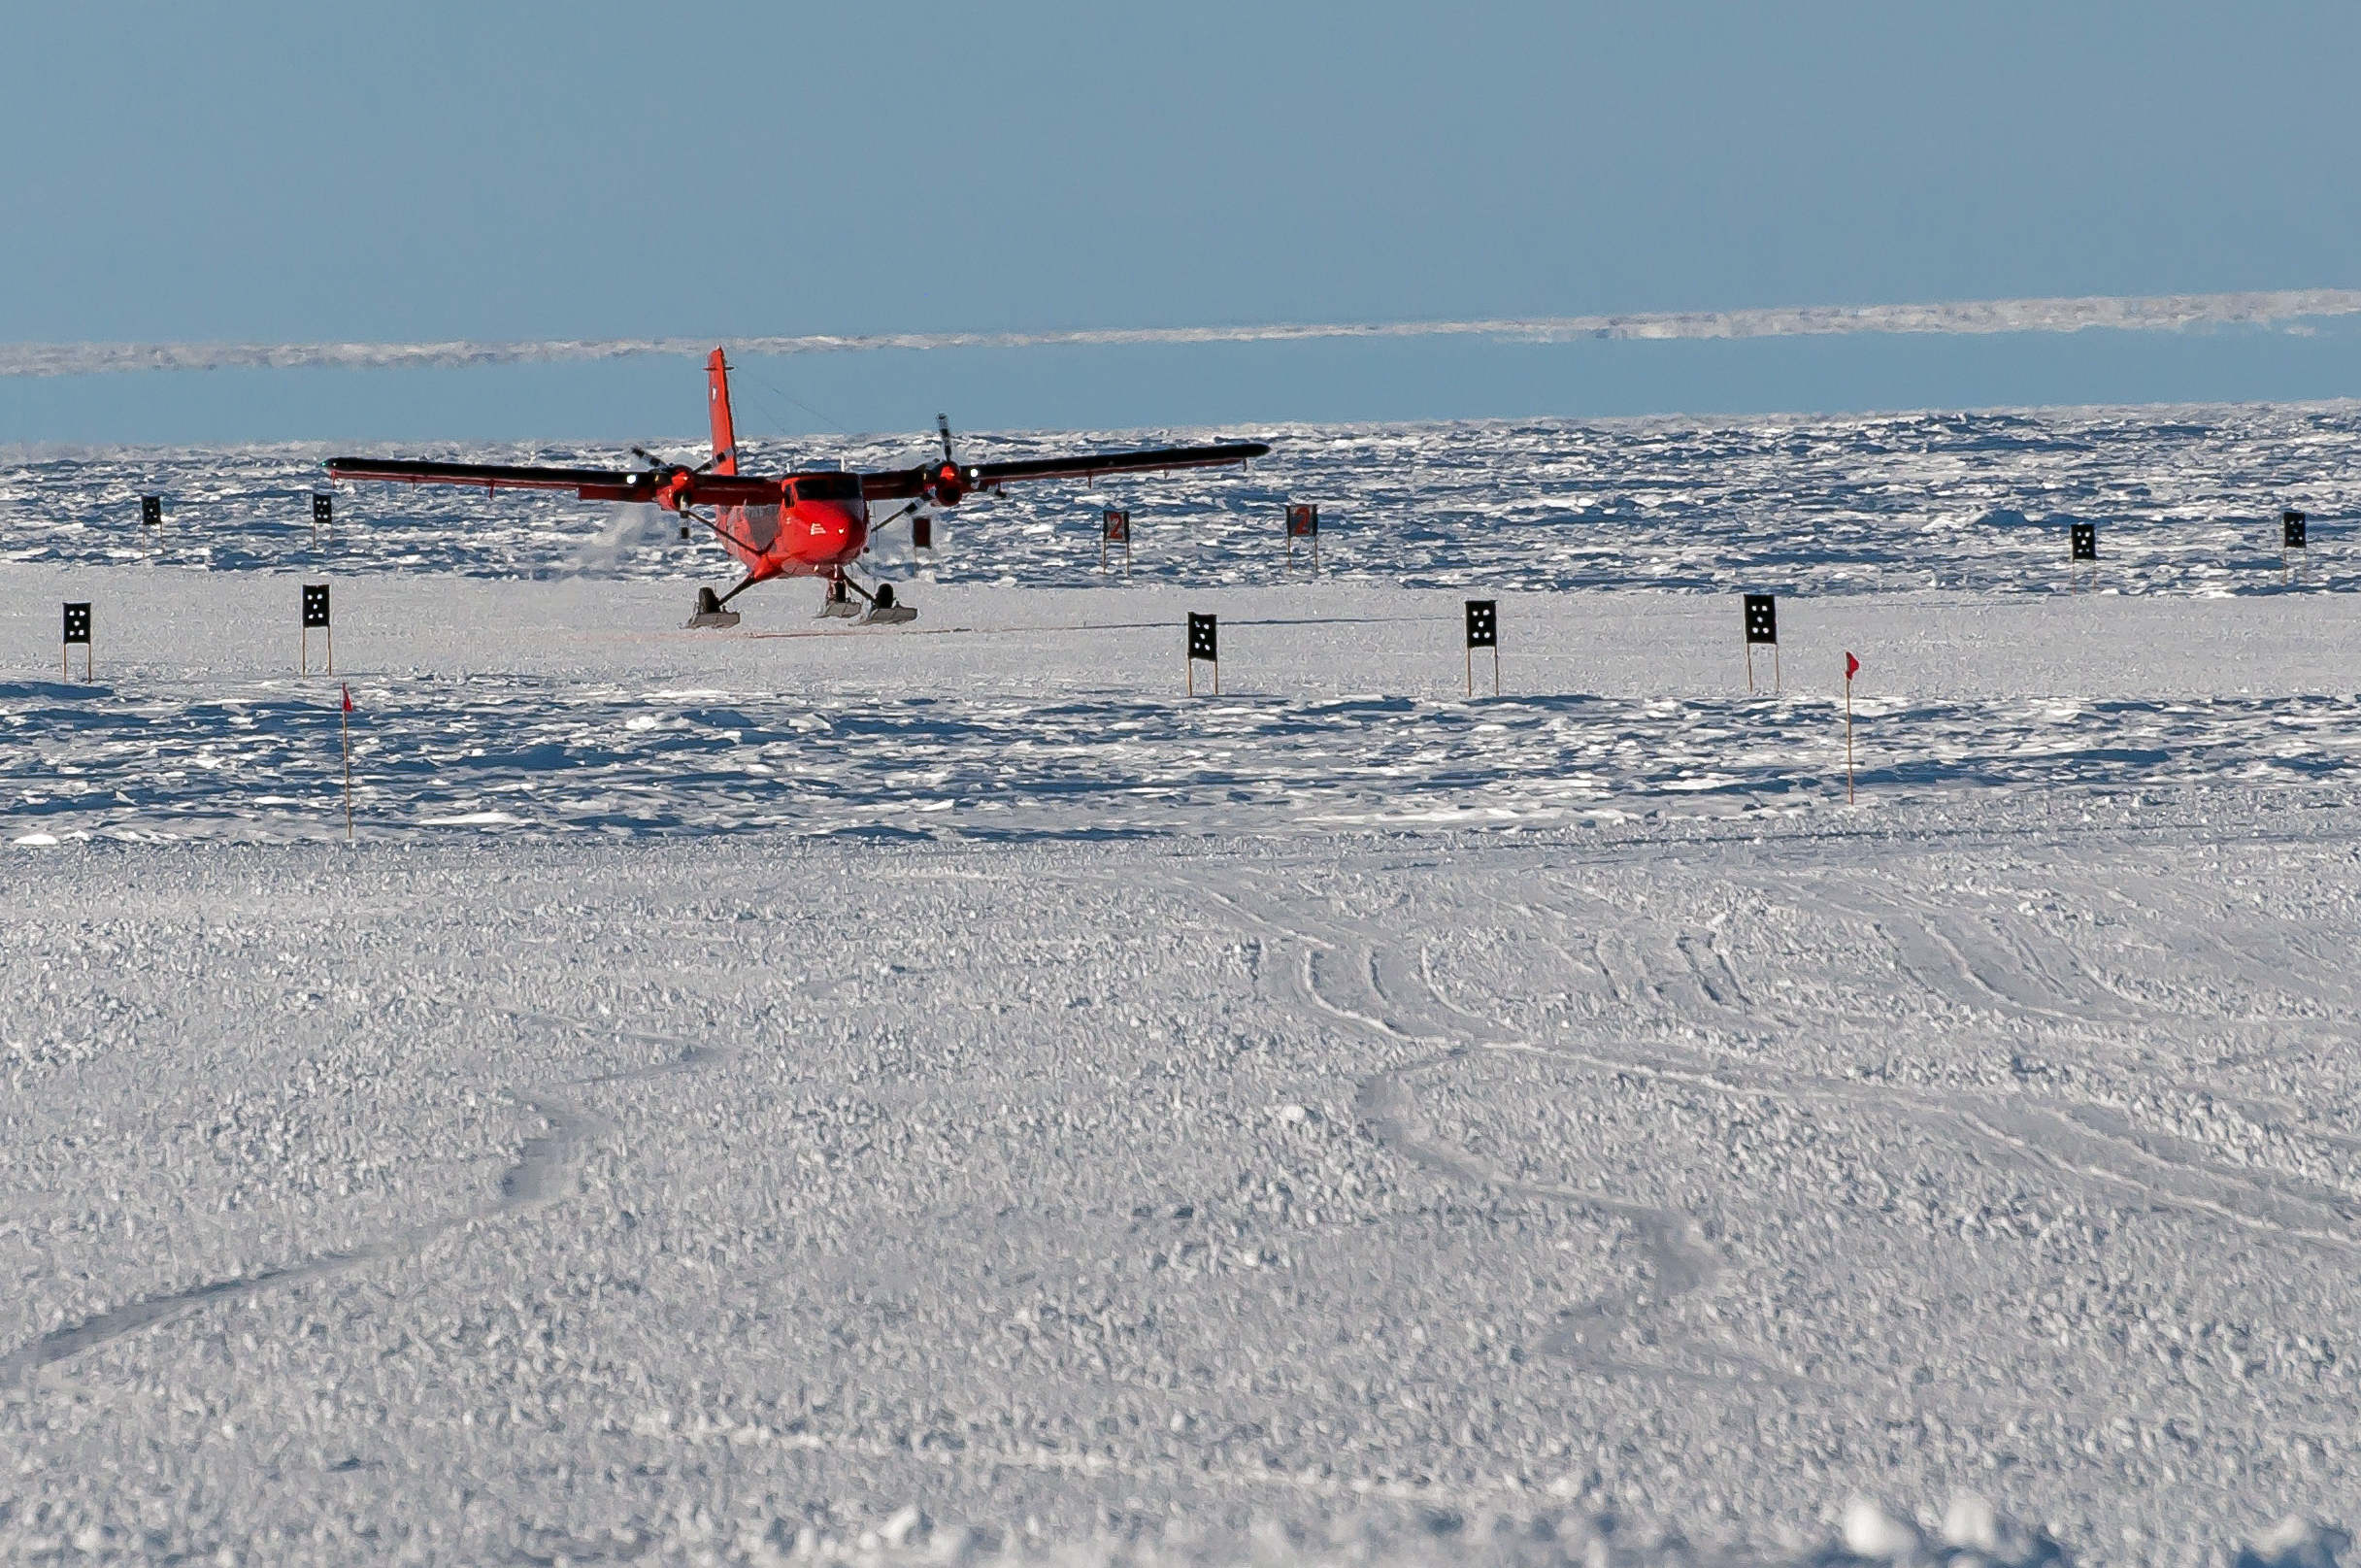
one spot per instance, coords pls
(827, 529)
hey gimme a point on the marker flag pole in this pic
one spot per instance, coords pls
(343, 726)
(1852, 667)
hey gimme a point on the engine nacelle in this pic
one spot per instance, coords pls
(673, 492)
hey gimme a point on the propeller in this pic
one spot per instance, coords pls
(653, 461)
(949, 482)
(672, 475)
(672, 482)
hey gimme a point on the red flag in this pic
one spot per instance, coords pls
(1852, 667)
(347, 690)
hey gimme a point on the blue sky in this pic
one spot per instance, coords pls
(509, 171)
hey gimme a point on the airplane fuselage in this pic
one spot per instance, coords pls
(819, 526)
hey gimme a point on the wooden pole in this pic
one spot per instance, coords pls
(343, 726)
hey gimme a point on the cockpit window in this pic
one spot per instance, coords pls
(828, 488)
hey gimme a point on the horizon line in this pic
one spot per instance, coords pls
(2162, 312)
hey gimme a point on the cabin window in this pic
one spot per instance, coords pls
(828, 488)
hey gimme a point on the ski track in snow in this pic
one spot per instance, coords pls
(1411, 1013)
(2090, 1144)
(540, 1176)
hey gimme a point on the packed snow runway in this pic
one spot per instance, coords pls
(941, 1092)
(1030, 713)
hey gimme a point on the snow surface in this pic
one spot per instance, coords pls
(941, 1093)
(2186, 500)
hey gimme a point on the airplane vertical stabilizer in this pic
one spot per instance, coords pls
(718, 405)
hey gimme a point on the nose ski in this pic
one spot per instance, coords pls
(883, 610)
(838, 602)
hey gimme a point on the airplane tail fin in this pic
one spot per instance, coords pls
(718, 406)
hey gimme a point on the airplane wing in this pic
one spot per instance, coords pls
(926, 479)
(729, 489)
(591, 484)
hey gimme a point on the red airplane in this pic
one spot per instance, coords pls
(814, 524)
